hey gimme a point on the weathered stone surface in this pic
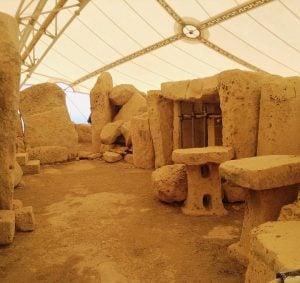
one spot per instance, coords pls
(17, 204)
(111, 157)
(20, 145)
(175, 90)
(121, 94)
(50, 128)
(290, 212)
(32, 167)
(205, 89)
(22, 158)
(274, 248)
(279, 119)
(84, 132)
(7, 226)
(263, 172)
(143, 151)
(160, 112)
(82, 154)
(135, 106)
(119, 149)
(129, 158)
(233, 193)
(106, 147)
(49, 154)
(111, 131)
(94, 156)
(239, 93)
(25, 220)
(9, 102)
(170, 183)
(102, 110)
(202, 155)
(110, 274)
(126, 132)
(17, 174)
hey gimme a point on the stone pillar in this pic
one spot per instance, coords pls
(143, 151)
(160, 112)
(9, 104)
(102, 111)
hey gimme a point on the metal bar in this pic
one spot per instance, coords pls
(42, 29)
(171, 12)
(19, 9)
(193, 125)
(129, 57)
(76, 13)
(230, 55)
(243, 8)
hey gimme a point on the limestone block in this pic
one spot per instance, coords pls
(175, 90)
(129, 158)
(41, 98)
(135, 106)
(143, 151)
(50, 128)
(84, 132)
(239, 93)
(160, 112)
(126, 132)
(111, 131)
(22, 158)
(49, 154)
(17, 174)
(111, 157)
(9, 102)
(120, 94)
(17, 204)
(290, 212)
(202, 155)
(32, 167)
(7, 226)
(233, 193)
(120, 149)
(279, 119)
(205, 89)
(82, 154)
(263, 172)
(274, 248)
(25, 220)
(170, 183)
(94, 156)
(106, 147)
(102, 109)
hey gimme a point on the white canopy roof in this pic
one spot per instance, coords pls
(266, 38)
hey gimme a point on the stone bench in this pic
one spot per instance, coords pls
(204, 185)
(271, 181)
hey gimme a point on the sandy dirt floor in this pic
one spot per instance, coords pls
(97, 220)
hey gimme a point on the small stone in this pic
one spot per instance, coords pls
(129, 158)
(32, 167)
(7, 226)
(17, 204)
(25, 220)
(111, 157)
(94, 156)
(84, 154)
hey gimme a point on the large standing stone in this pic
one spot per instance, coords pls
(279, 121)
(160, 112)
(102, 110)
(9, 103)
(111, 131)
(170, 183)
(122, 93)
(46, 118)
(143, 151)
(135, 106)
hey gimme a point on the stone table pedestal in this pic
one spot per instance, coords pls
(204, 185)
(271, 181)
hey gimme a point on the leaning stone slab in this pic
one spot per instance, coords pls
(120, 94)
(25, 220)
(275, 248)
(7, 226)
(263, 172)
(202, 155)
(111, 131)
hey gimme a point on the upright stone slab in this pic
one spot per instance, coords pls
(102, 110)
(279, 120)
(143, 151)
(239, 93)
(9, 103)
(46, 118)
(160, 112)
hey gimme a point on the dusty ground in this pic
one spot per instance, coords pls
(89, 213)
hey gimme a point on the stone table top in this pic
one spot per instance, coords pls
(263, 172)
(202, 155)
